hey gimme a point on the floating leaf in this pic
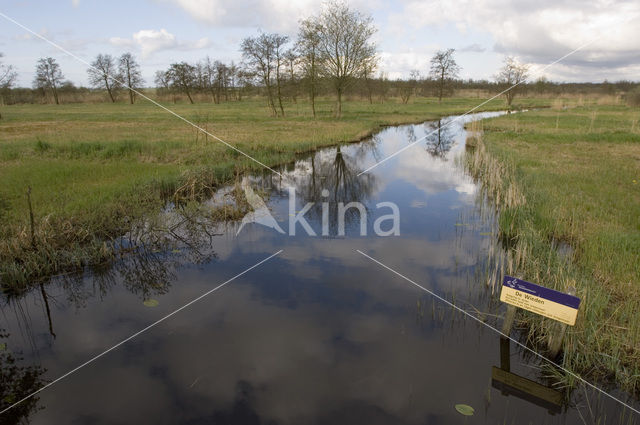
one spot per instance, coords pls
(3, 346)
(485, 233)
(151, 303)
(176, 251)
(465, 409)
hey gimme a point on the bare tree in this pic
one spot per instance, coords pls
(163, 83)
(130, 74)
(233, 79)
(408, 88)
(444, 69)
(291, 60)
(308, 47)
(367, 74)
(182, 76)
(8, 75)
(221, 81)
(346, 49)
(264, 55)
(279, 41)
(511, 76)
(48, 76)
(103, 73)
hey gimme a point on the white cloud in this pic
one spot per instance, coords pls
(150, 41)
(542, 31)
(270, 15)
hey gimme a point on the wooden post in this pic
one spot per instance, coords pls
(505, 354)
(557, 335)
(508, 320)
(31, 220)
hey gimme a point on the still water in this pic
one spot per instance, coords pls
(319, 334)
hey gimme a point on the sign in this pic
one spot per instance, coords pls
(538, 299)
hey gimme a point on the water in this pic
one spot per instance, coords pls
(318, 334)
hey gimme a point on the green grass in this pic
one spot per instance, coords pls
(578, 171)
(95, 168)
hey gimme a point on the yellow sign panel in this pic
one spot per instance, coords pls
(539, 305)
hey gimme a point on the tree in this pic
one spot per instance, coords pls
(443, 69)
(279, 41)
(130, 74)
(307, 46)
(264, 56)
(221, 81)
(367, 73)
(103, 73)
(511, 76)
(345, 47)
(48, 76)
(163, 83)
(291, 60)
(408, 88)
(8, 75)
(182, 76)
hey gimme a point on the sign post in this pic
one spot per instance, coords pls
(556, 305)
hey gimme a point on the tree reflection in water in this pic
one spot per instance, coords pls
(333, 179)
(16, 382)
(440, 139)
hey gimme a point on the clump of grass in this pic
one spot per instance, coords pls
(474, 132)
(56, 244)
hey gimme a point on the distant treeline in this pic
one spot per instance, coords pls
(377, 89)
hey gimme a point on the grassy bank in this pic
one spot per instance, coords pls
(567, 184)
(94, 169)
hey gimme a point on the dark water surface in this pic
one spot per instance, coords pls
(318, 334)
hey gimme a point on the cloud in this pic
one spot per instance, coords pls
(542, 31)
(473, 48)
(271, 15)
(151, 41)
(268, 15)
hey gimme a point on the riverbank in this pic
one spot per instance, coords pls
(567, 184)
(94, 170)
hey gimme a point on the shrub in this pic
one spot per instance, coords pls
(633, 98)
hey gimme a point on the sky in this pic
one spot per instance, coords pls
(409, 32)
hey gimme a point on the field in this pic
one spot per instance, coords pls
(95, 168)
(567, 182)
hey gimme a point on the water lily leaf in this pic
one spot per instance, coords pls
(151, 303)
(465, 409)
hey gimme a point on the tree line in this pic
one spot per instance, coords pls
(332, 54)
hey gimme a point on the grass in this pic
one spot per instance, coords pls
(571, 177)
(96, 168)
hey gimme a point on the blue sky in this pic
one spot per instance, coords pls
(160, 32)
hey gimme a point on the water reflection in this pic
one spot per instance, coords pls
(441, 138)
(17, 380)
